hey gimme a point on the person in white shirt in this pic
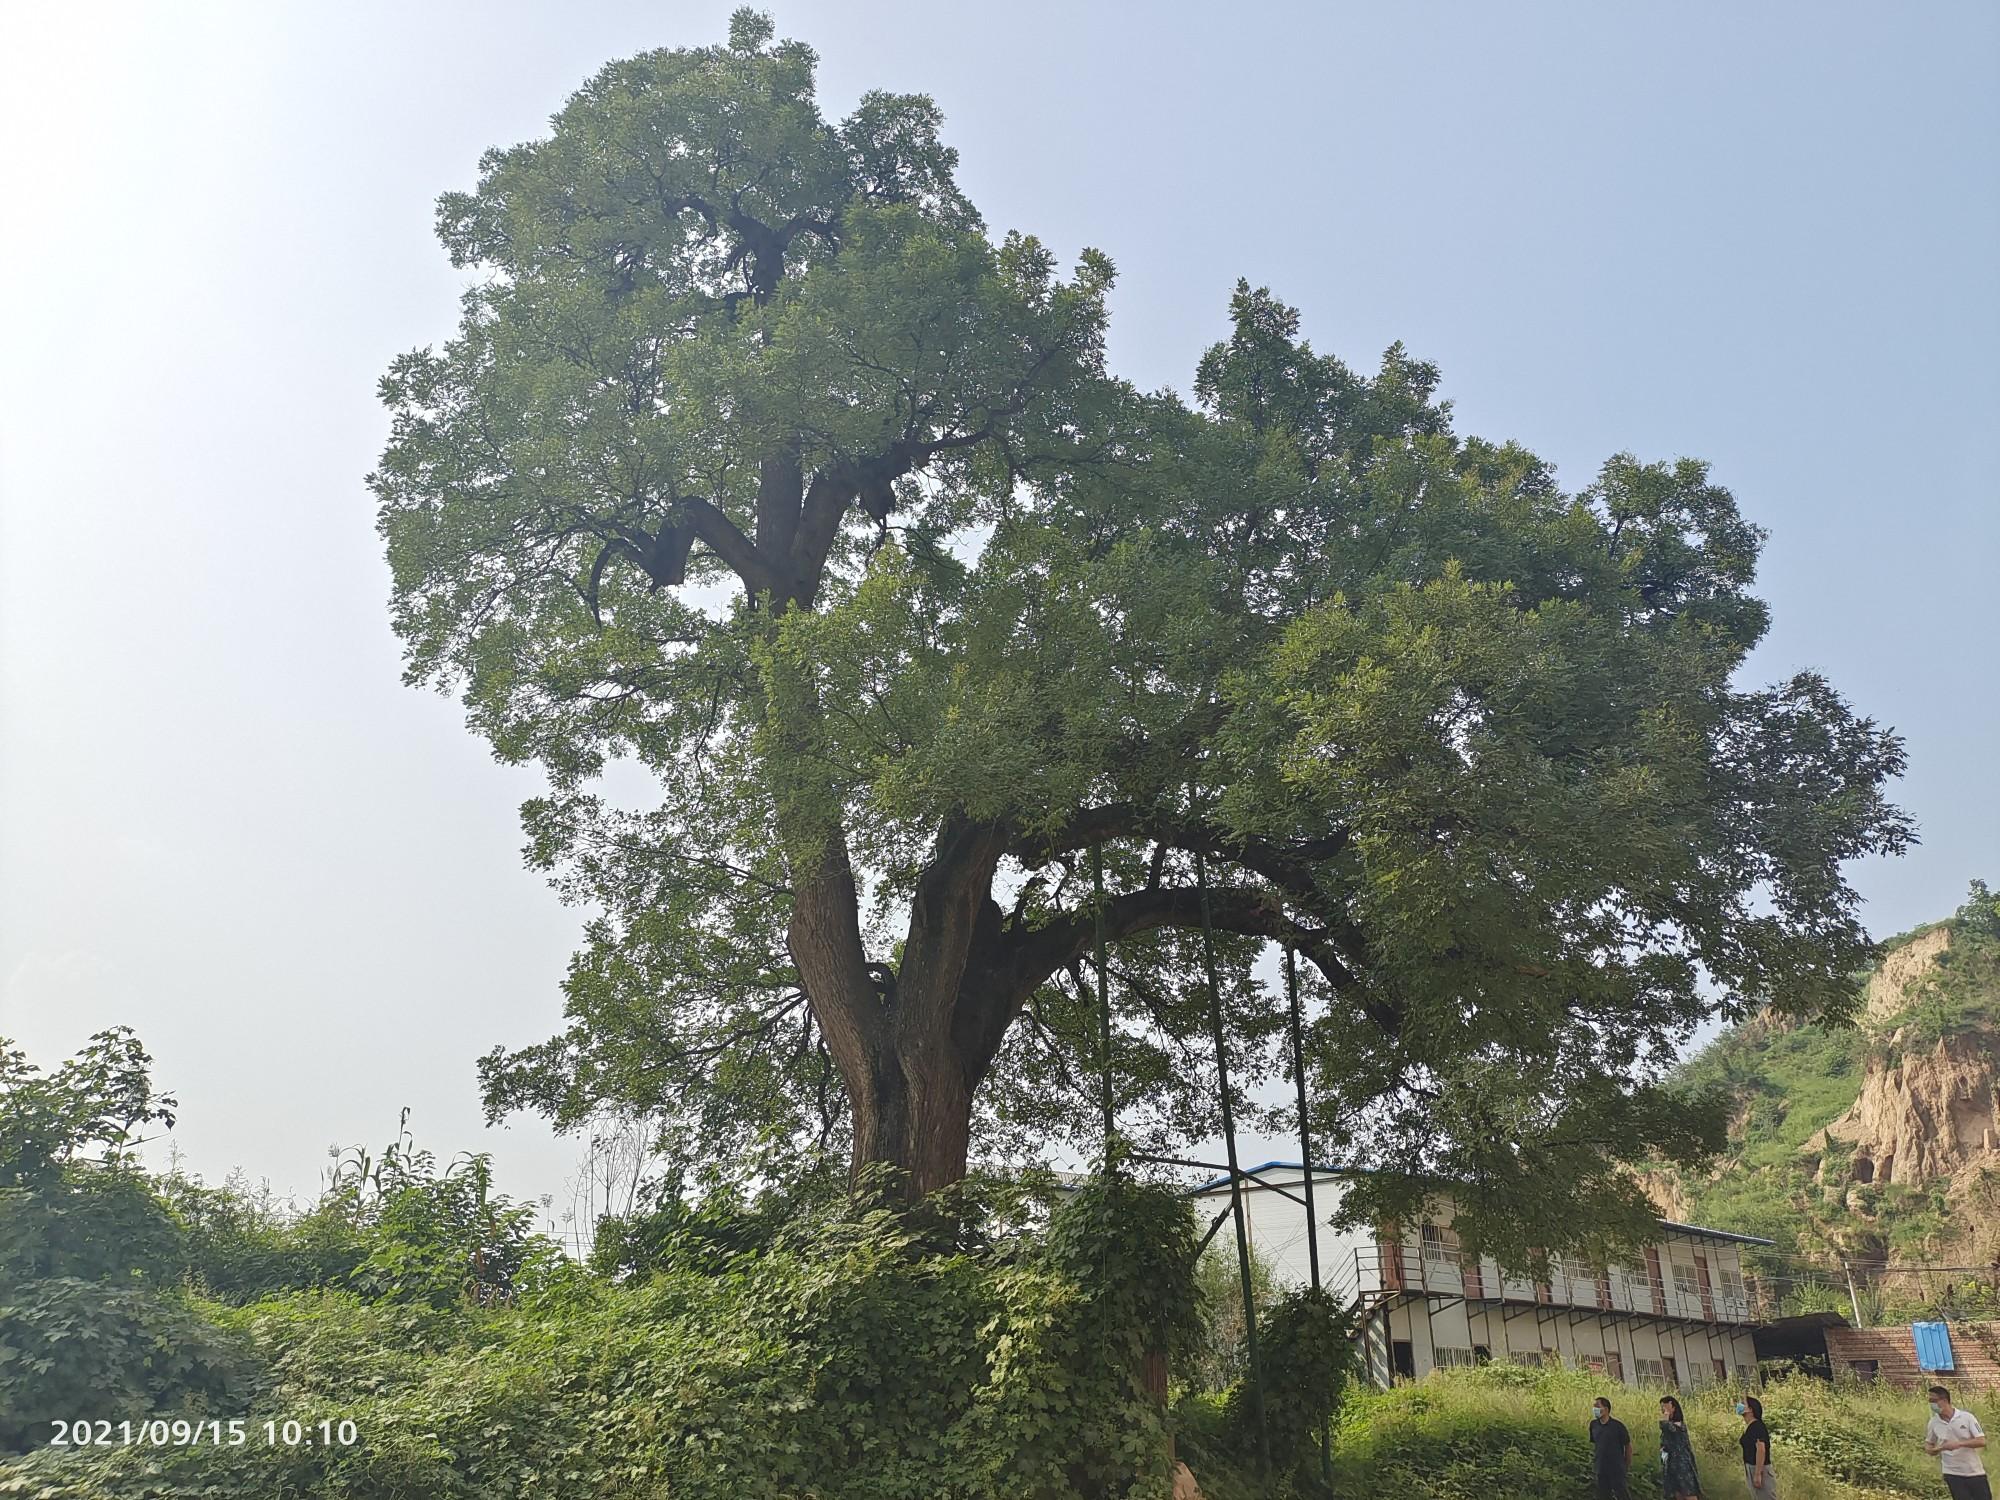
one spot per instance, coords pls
(1956, 1437)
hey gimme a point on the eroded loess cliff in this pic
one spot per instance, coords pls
(1928, 1112)
(1878, 1143)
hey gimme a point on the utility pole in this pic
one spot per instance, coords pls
(1853, 1301)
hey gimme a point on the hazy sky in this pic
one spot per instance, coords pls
(1766, 235)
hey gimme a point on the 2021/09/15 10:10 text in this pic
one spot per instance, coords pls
(181, 1433)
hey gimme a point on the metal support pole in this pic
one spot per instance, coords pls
(1103, 999)
(1306, 1168)
(1853, 1301)
(1235, 1173)
(1305, 1128)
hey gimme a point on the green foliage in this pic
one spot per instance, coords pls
(673, 1234)
(438, 1236)
(1221, 1354)
(1307, 1360)
(1962, 993)
(91, 1108)
(329, 1345)
(392, 1226)
(243, 1244)
(94, 1255)
(859, 1355)
(998, 1340)
(71, 1348)
(1507, 1433)
(93, 1222)
(89, 1256)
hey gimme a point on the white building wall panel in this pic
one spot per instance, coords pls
(1688, 1323)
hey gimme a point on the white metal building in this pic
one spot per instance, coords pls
(1681, 1316)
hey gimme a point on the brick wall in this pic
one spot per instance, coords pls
(1975, 1349)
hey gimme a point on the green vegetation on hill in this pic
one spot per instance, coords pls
(1787, 1083)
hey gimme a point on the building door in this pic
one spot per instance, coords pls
(1656, 1281)
(1671, 1370)
(1403, 1359)
(1707, 1291)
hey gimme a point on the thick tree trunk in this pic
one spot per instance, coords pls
(921, 1125)
(912, 1044)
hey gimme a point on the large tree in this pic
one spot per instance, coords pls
(757, 465)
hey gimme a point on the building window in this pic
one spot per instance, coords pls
(1864, 1369)
(1650, 1369)
(1686, 1283)
(1735, 1303)
(1437, 1249)
(1746, 1374)
(1451, 1357)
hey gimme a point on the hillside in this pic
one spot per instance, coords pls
(1876, 1144)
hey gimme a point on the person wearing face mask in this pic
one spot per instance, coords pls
(1756, 1442)
(1954, 1438)
(1678, 1478)
(1611, 1447)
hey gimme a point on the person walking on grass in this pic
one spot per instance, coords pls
(1954, 1438)
(1756, 1441)
(1678, 1479)
(1611, 1452)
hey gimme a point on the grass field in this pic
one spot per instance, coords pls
(1505, 1433)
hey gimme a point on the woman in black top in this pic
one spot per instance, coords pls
(1678, 1479)
(1756, 1441)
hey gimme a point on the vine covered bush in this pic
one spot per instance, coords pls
(1003, 1338)
(866, 1354)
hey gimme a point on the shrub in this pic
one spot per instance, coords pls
(73, 1349)
(243, 1244)
(868, 1355)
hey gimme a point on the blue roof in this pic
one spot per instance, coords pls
(1223, 1181)
(1933, 1341)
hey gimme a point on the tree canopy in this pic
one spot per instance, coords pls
(758, 464)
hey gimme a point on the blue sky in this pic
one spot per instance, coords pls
(1765, 235)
